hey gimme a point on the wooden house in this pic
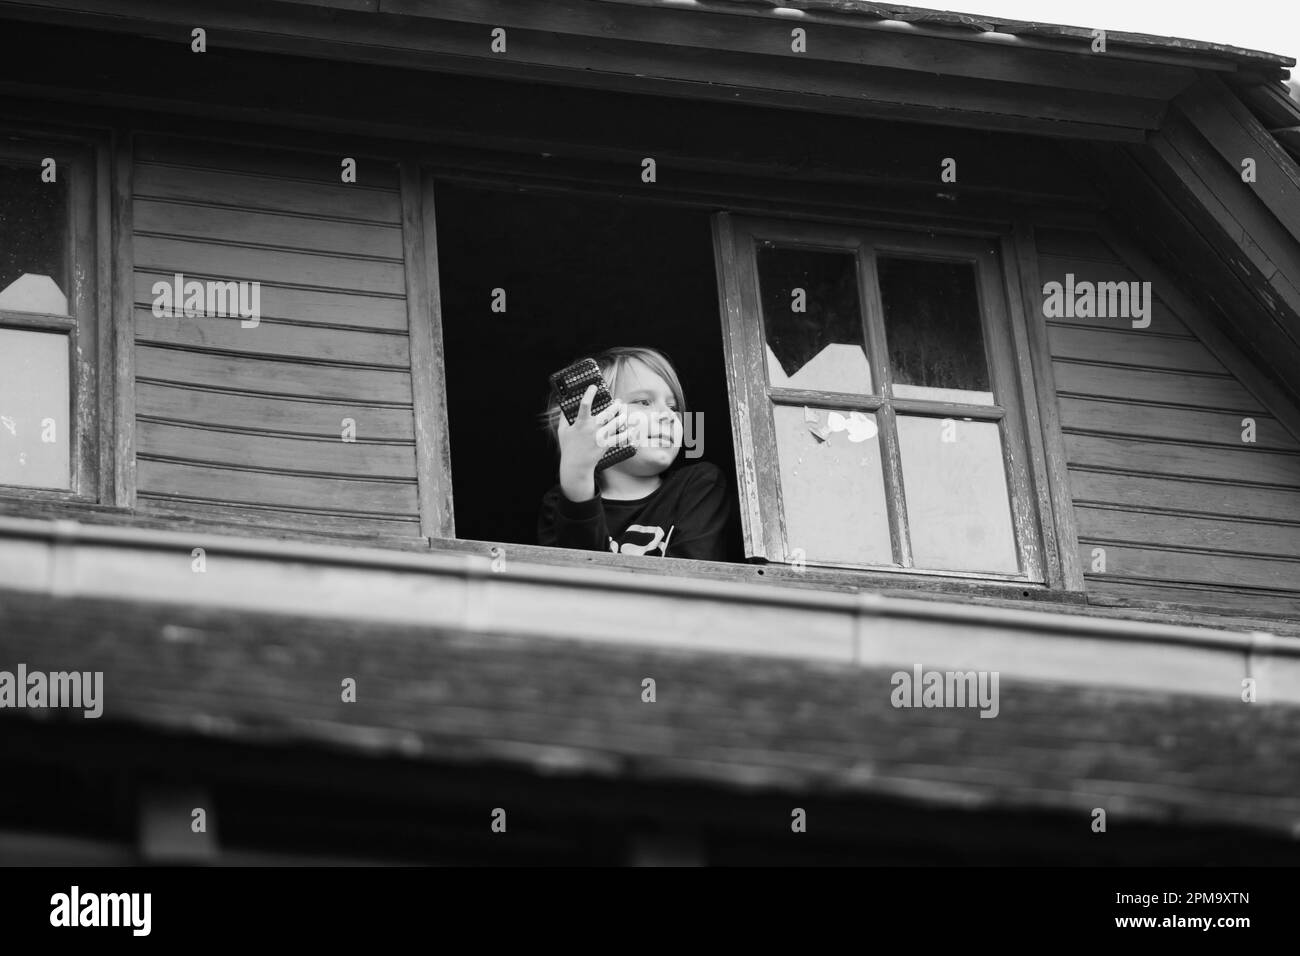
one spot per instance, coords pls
(280, 287)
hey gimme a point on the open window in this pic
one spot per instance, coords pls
(875, 399)
(573, 274)
(48, 412)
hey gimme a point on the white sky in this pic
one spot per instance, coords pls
(1269, 25)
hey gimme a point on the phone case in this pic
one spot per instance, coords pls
(571, 383)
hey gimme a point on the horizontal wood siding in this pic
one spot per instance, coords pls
(249, 421)
(1184, 509)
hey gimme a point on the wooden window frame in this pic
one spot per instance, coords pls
(84, 164)
(1003, 318)
(428, 357)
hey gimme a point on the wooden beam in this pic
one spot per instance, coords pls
(1235, 134)
(1207, 218)
(761, 35)
(121, 322)
(1037, 36)
(726, 260)
(105, 327)
(475, 116)
(428, 379)
(1043, 416)
(540, 56)
(1156, 210)
(1243, 237)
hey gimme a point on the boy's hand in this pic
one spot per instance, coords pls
(584, 442)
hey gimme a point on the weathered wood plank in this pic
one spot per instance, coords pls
(1240, 463)
(234, 152)
(245, 519)
(276, 378)
(1195, 427)
(255, 228)
(1225, 499)
(263, 265)
(342, 201)
(1108, 591)
(231, 486)
(1190, 567)
(1136, 348)
(304, 305)
(124, 369)
(1216, 534)
(82, 247)
(271, 413)
(274, 340)
(105, 327)
(274, 453)
(1218, 392)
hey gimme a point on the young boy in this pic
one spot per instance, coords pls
(633, 507)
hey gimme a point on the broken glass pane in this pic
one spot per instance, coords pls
(34, 250)
(812, 319)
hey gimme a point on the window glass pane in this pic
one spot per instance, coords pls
(958, 509)
(33, 240)
(832, 485)
(34, 400)
(933, 330)
(812, 319)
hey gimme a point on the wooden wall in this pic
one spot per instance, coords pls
(1159, 474)
(252, 418)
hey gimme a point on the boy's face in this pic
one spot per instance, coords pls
(653, 414)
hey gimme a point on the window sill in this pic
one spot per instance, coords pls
(825, 579)
(674, 610)
(345, 549)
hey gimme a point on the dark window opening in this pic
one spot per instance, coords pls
(579, 275)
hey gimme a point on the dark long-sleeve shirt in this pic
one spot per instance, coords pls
(685, 517)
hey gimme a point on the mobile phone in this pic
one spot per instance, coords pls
(571, 384)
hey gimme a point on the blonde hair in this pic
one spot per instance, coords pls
(612, 362)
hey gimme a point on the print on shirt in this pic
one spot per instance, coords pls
(656, 536)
